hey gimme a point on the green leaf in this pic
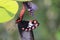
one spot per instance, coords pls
(8, 10)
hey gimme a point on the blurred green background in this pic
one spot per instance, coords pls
(48, 15)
